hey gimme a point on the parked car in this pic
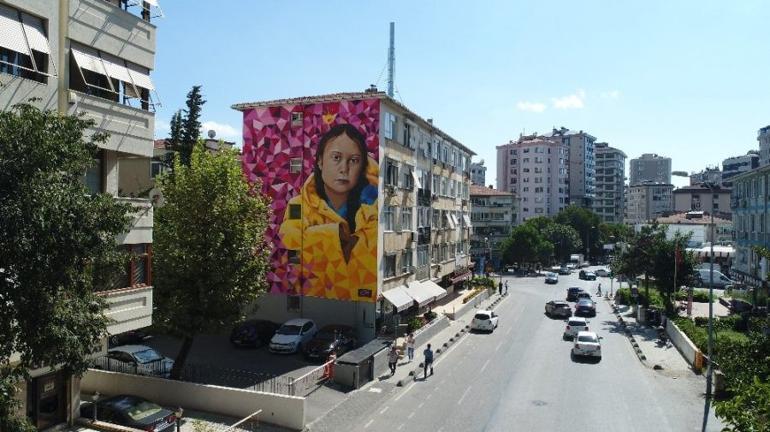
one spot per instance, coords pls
(292, 335)
(586, 275)
(135, 359)
(132, 337)
(131, 411)
(337, 339)
(585, 307)
(721, 281)
(485, 320)
(588, 344)
(572, 266)
(564, 270)
(572, 293)
(558, 308)
(551, 278)
(574, 326)
(253, 333)
(603, 272)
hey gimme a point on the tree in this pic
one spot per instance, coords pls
(185, 130)
(586, 223)
(210, 254)
(525, 246)
(669, 260)
(54, 238)
(565, 240)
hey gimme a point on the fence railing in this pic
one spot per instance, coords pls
(258, 381)
(305, 384)
(156, 368)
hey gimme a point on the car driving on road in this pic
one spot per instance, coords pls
(574, 326)
(556, 308)
(572, 293)
(587, 344)
(586, 275)
(585, 307)
(602, 272)
(485, 320)
(551, 278)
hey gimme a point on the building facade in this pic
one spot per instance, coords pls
(736, 165)
(648, 201)
(763, 137)
(650, 168)
(84, 56)
(582, 164)
(711, 175)
(697, 225)
(700, 198)
(478, 173)
(407, 244)
(493, 215)
(751, 222)
(535, 170)
(609, 203)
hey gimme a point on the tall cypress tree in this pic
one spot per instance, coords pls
(185, 130)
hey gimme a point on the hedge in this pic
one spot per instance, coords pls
(623, 296)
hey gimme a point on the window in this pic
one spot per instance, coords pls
(408, 138)
(156, 168)
(93, 178)
(296, 118)
(295, 164)
(295, 211)
(390, 266)
(406, 261)
(24, 48)
(388, 217)
(406, 218)
(391, 173)
(140, 264)
(389, 126)
(407, 177)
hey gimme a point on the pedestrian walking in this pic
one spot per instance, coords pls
(393, 359)
(599, 291)
(428, 363)
(506, 287)
(410, 346)
(499, 288)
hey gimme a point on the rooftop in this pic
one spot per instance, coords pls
(691, 218)
(701, 188)
(486, 191)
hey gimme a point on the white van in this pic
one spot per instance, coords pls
(720, 280)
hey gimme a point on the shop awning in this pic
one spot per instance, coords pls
(436, 291)
(419, 293)
(719, 252)
(398, 297)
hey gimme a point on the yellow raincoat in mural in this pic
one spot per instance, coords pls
(317, 235)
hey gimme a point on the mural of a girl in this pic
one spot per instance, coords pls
(332, 223)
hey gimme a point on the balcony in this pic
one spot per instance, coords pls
(128, 309)
(140, 230)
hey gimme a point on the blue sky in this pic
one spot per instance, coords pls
(684, 79)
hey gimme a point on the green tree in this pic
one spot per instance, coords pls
(185, 130)
(526, 246)
(637, 258)
(209, 248)
(53, 237)
(668, 263)
(586, 223)
(564, 238)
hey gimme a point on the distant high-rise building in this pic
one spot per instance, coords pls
(650, 168)
(534, 169)
(711, 175)
(735, 165)
(582, 164)
(648, 201)
(478, 173)
(763, 136)
(610, 179)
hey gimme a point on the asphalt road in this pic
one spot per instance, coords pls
(522, 378)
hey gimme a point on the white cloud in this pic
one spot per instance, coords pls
(612, 94)
(573, 101)
(224, 131)
(531, 106)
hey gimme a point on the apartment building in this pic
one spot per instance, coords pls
(582, 164)
(737, 165)
(478, 173)
(650, 168)
(93, 57)
(493, 215)
(648, 201)
(701, 198)
(763, 137)
(535, 170)
(407, 244)
(710, 175)
(610, 199)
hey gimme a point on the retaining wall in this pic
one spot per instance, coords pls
(682, 343)
(470, 306)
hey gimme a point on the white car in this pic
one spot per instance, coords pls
(574, 326)
(602, 272)
(485, 320)
(292, 335)
(587, 344)
(135, 359)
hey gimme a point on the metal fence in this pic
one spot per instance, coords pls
(155, 368)
(305, 384)
(202, 373)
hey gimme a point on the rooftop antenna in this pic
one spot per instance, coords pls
(392, 58)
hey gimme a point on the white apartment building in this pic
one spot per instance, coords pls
(478, 173)
(648, 201)
(93, 57)
(582, 164)
(610, 199)
(535, 170)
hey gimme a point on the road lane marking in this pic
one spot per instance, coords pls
(368, 423)
(485, 365)
(420, 405)
(498, 346)
(384, 409)
(410, 415)
(400, 427)
(429, 396)
(465, 393)
(509, 331)
(405, 391)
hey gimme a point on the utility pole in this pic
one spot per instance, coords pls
(392, 59)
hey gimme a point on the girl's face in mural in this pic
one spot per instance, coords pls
(340, 165)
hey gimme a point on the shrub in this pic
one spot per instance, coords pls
(623, 296)
(697, 296)
(429, 316)
(475, 292)
(483, 281)
(701, 321)
(414, 324)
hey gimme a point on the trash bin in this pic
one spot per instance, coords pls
(641, 314)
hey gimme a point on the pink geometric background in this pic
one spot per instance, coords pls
(270, 141)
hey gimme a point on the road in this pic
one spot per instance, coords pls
(522, 378)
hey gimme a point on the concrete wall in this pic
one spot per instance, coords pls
(682, 342)
(141, 222)
(468, 307)
(130, 309)
(281, 410)
(134, 177)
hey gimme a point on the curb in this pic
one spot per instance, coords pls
(445, 346)
(631, 338)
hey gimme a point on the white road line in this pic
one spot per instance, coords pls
(485, 365)
(368, 423)
(405, 391)
(465, 393)
(509, 331)
(498, 346)
(420, 405)
(400, 427)
(429, 396)
(384, 409)
(410, 415)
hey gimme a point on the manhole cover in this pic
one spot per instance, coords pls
(539, 403)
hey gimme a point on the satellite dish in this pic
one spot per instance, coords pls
(212, 133)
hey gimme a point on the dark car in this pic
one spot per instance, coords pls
(586, 275)
(133, 337)
(572, 293)
(131, 411)
(253, 333)
(338, 339)
(558, 308)
(564, 271)
(583, 295)
(585, 307)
